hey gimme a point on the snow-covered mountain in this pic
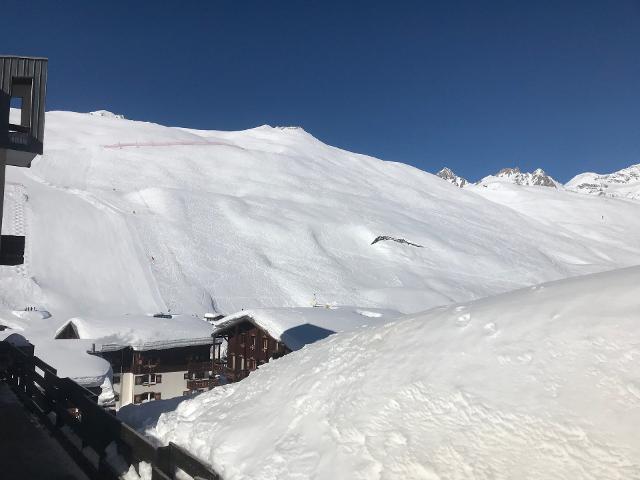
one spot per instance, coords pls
(448, 175)
(513, 175)
(624, 183)
(539, 383)
(132, 217)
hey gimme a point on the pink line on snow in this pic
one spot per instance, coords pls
(170, 144)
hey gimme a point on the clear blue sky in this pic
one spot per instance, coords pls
(474, 85)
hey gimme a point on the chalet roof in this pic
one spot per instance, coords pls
(142, 332)
(299, 326)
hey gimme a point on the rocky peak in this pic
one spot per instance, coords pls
(538, 177)
(448, 175)
(624, 183)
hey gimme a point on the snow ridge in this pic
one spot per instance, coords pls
(624, 183)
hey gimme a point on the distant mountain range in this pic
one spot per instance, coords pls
(624, 183)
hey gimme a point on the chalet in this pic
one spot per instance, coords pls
(152, 357)
(250, 338)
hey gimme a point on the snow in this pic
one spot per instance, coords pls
(133, 217)
(142, 332)
(68, 357)
(538, 383)
(513, 175)
(624, 183)
(123, 218)
(297, 327)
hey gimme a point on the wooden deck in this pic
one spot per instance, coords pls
(27, 448)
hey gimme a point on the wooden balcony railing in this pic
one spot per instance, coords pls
(61, 402)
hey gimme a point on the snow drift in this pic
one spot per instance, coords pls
(539, 383)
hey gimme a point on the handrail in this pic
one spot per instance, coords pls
(61, 402)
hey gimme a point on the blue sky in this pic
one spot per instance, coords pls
(473, 85)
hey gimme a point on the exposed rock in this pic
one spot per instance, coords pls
(106, 114)
(448, 175)
(399, 240)
(536, 178)
(624, 183)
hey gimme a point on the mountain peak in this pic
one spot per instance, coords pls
(624, 183)
(106, 114)
(514, 175)
(448, 175)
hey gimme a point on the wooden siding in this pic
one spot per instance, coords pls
(248, 347)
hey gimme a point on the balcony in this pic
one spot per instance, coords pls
(200, 384)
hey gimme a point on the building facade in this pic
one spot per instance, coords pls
(247, 347)
(141, 376)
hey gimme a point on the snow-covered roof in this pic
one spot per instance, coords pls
(142, 332)
(299, 326)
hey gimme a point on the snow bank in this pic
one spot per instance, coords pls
(539, 383)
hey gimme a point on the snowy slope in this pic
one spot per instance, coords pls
(539, 383)
(624, 183)
(133, 217)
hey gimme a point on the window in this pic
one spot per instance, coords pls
(148, 379)
(147, 397)
(253, 341)
(265, 344)
(243, 339)
(117, 397)
(233, 361)
(241, 362)
(186, 392)
(116, 378)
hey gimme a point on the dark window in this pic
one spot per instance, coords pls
(157, 396)
(140, 379)
(116, 378)
(138, 398)
(186, 375)
(186, 392)
(265, 344)
(253, 341)
(158, 378)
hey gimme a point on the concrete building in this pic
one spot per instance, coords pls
(152, 357)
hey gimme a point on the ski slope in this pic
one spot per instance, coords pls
(132, 217)
(539, 383)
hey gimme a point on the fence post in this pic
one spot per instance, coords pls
(164, 462)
